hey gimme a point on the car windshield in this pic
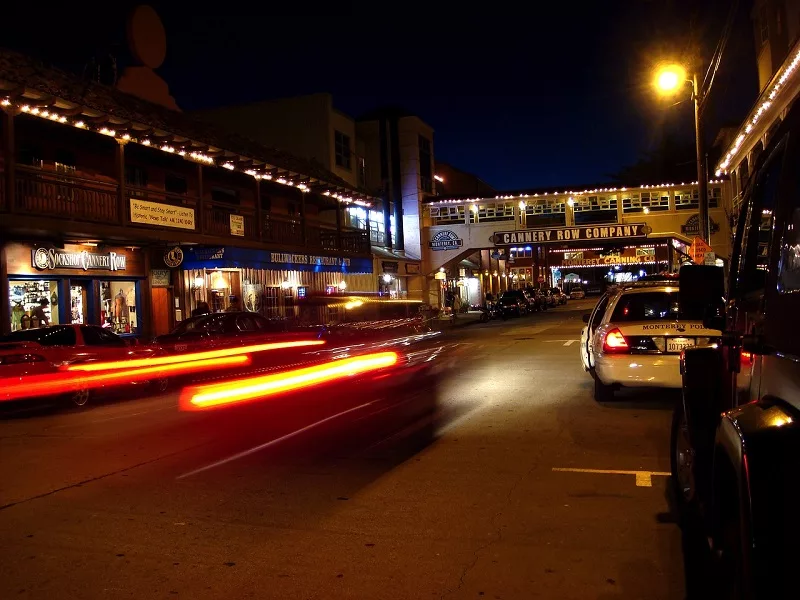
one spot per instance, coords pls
(646, 306)
(213, 322)
(62, 335)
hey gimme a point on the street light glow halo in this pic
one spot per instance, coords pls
(670, 78)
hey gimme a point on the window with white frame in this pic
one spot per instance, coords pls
(493, 211)
(546, 206)
(444, 215)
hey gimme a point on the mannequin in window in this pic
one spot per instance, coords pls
(120, 309)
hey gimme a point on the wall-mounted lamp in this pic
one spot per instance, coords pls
(286, 284)
(342, 286)
(386, 278)
(199, 282)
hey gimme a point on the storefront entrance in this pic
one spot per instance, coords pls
(74, 284)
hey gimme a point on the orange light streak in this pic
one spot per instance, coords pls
(194, 356)
(220, 394)
(59, 383)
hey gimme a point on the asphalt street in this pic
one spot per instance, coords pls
(520, 486)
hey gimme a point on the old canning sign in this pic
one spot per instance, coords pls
(550, 235)
(52, 258)
(445, 240)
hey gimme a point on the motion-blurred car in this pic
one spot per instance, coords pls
(43, 350)
(577, 293)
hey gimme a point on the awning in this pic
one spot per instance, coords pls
(227, 257)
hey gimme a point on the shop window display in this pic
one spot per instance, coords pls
(33, 304)
(118, 306)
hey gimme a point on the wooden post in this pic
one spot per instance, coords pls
(10, 159)
(303, 220)
(5, 300)
(258, 209)
(119, 164)
(199, 217)
(338, 226)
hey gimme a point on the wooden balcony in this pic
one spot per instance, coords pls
(41, 193)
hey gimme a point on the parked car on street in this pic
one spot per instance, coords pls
(513, 303)
(634, 338)
(577, 293)
(736, 432)
(559, 295)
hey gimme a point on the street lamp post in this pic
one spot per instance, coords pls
(669, 80)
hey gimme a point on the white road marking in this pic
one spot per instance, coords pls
(274, 442)
(566, 342)
(643, 478)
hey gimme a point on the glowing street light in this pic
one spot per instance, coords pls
(671, 79)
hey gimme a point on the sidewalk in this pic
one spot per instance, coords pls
(460, 320)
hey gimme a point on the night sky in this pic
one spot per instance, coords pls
(551, 97)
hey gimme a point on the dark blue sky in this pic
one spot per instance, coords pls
(546, 98)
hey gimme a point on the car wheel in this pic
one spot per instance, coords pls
(682, 458)
(79, 397)
(602, 392)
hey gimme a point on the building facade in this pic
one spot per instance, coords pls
(125, 213)
(388, 153)
(551, 238)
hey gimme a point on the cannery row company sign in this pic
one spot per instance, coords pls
(47, 259)
(551, 235)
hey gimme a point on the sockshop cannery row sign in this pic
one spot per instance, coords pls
(552, 235)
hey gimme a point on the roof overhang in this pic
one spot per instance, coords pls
(16, 99)
(770, 106)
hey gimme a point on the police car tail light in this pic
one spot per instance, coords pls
(615, 342)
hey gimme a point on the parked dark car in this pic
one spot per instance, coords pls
(513, 303)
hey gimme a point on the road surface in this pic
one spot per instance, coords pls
(522, 487)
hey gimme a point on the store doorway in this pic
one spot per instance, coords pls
(162, 299)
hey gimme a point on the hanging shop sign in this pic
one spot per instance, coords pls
(692, 226)
(173, 257)
(216, 257)
(390, 266)
(445, 240)
(413, 269)
(605, 261)
(551, 235)
(161, 215)
(48, 259)
(237, 225)
(159, 278)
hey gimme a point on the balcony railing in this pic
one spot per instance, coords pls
(53, 194)
(217, 220)
(50, 194)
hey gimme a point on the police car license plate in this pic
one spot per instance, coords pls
(677, 344)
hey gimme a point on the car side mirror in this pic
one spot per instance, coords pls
(586, 317)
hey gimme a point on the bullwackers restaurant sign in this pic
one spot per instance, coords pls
(51, 258)
(552, 235)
